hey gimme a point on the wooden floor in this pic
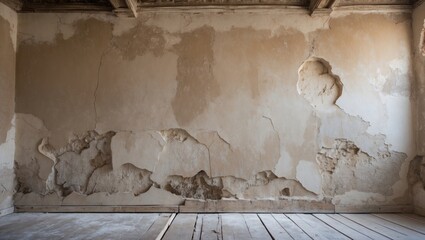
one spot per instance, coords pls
(211, 226)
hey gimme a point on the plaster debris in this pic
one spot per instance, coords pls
(346, 167)
(317, 84)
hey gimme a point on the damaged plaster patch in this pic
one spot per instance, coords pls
(76, 162)
(126, 178)
(345, 167)
(219, 149)
(263, 185)
(182, 155)
(138, 148)
(139, 40)
(84, 166)
(309, 176)
(199, 186)
(317, 84)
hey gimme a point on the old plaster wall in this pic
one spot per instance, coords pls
(8, 25)
(214, 106)
(417, 176)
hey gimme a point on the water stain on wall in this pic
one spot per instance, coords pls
(196, 83)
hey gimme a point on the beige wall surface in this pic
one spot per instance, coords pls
(214, 106)
(8, 31)
(417, 180)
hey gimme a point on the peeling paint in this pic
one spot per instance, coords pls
(205, 106)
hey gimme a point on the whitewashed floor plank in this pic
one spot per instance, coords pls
(384, 227)
(182, 227)
(293, 229)
(256, 228)
(315, 228)
(354, 225)
(234, 227)
(403, 221)
(346, 230)
(274, 228)
(153, 231)
(211, 229)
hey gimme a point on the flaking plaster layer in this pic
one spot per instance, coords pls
(214, 106)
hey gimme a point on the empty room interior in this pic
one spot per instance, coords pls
(212, 119)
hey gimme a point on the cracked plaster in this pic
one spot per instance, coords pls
(188, 124)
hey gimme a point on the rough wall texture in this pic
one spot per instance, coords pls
(8, 25)
(214, 106)
(418, 24)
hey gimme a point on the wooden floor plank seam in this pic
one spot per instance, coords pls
(265, 227)
(356, 235)
(340, 218)
(197, 233)
(415, 217)
(166, 227)
(331, 226)
(286, 215)
(398, 223)
(386, 230)
(396, 227)
(368, 227)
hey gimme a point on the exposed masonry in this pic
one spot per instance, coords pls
(346, 167)
(317, 84)
(85, 166)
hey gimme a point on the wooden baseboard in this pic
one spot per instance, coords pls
(277, 206)
(374, 209)
(6, 211)
(97, 209)
(222, 206)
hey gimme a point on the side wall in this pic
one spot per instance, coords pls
(8, 31)
(417, 177)
(228, 106)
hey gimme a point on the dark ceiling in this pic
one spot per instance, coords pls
(131, 7)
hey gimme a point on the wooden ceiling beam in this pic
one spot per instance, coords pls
(320, 7)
